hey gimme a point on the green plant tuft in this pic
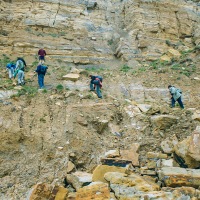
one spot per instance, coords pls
(44, 91)
(125, 68)
(59, 87)
(27, 90)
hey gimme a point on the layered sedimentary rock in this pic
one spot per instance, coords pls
(96, 31)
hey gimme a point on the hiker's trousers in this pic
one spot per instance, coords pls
(95, 84)
(20, 77)
(41, 80)
(179, 102)
(11, 72)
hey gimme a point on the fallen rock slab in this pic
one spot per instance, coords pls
(129, 187)
(79, 179)
(100, 170)
(177, 177)
(71, 77)
(182, 193)
(43, 191)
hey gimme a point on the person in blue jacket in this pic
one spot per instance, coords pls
(176, 96)
(11, 67)
(41, 71)
(96, 82)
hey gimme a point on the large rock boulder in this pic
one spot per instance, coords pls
(100, 170)
(79, 179)
(163, 121)
(189, 150)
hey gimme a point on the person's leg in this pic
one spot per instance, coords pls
(40, 60)
(10, 74)
(98, 91)
(91, 86)
(180, 102)
(40, 80)
(172, 102)
(20, 77)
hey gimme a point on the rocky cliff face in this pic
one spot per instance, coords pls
(64, 143)
(95, 31)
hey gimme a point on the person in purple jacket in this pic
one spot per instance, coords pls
(41, 54)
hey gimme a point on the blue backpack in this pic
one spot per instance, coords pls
(10, 65)
(43, 69)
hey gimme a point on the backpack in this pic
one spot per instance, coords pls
(43, 69)
(21, 65)
(22, 61)
(100, 78)
(10, 65)
(179, 90)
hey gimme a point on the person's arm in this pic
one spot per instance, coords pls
(37, 69)
(17, 65)
(15, 73)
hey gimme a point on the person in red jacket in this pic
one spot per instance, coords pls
(41, 54)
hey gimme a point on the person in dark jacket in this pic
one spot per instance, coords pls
(19, 71)
(176, 96)
(41, 54)
(20, 64)
(41, 71)
(22, 61)
(96, 82)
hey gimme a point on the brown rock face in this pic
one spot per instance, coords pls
(82, 34)
(47, 133)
